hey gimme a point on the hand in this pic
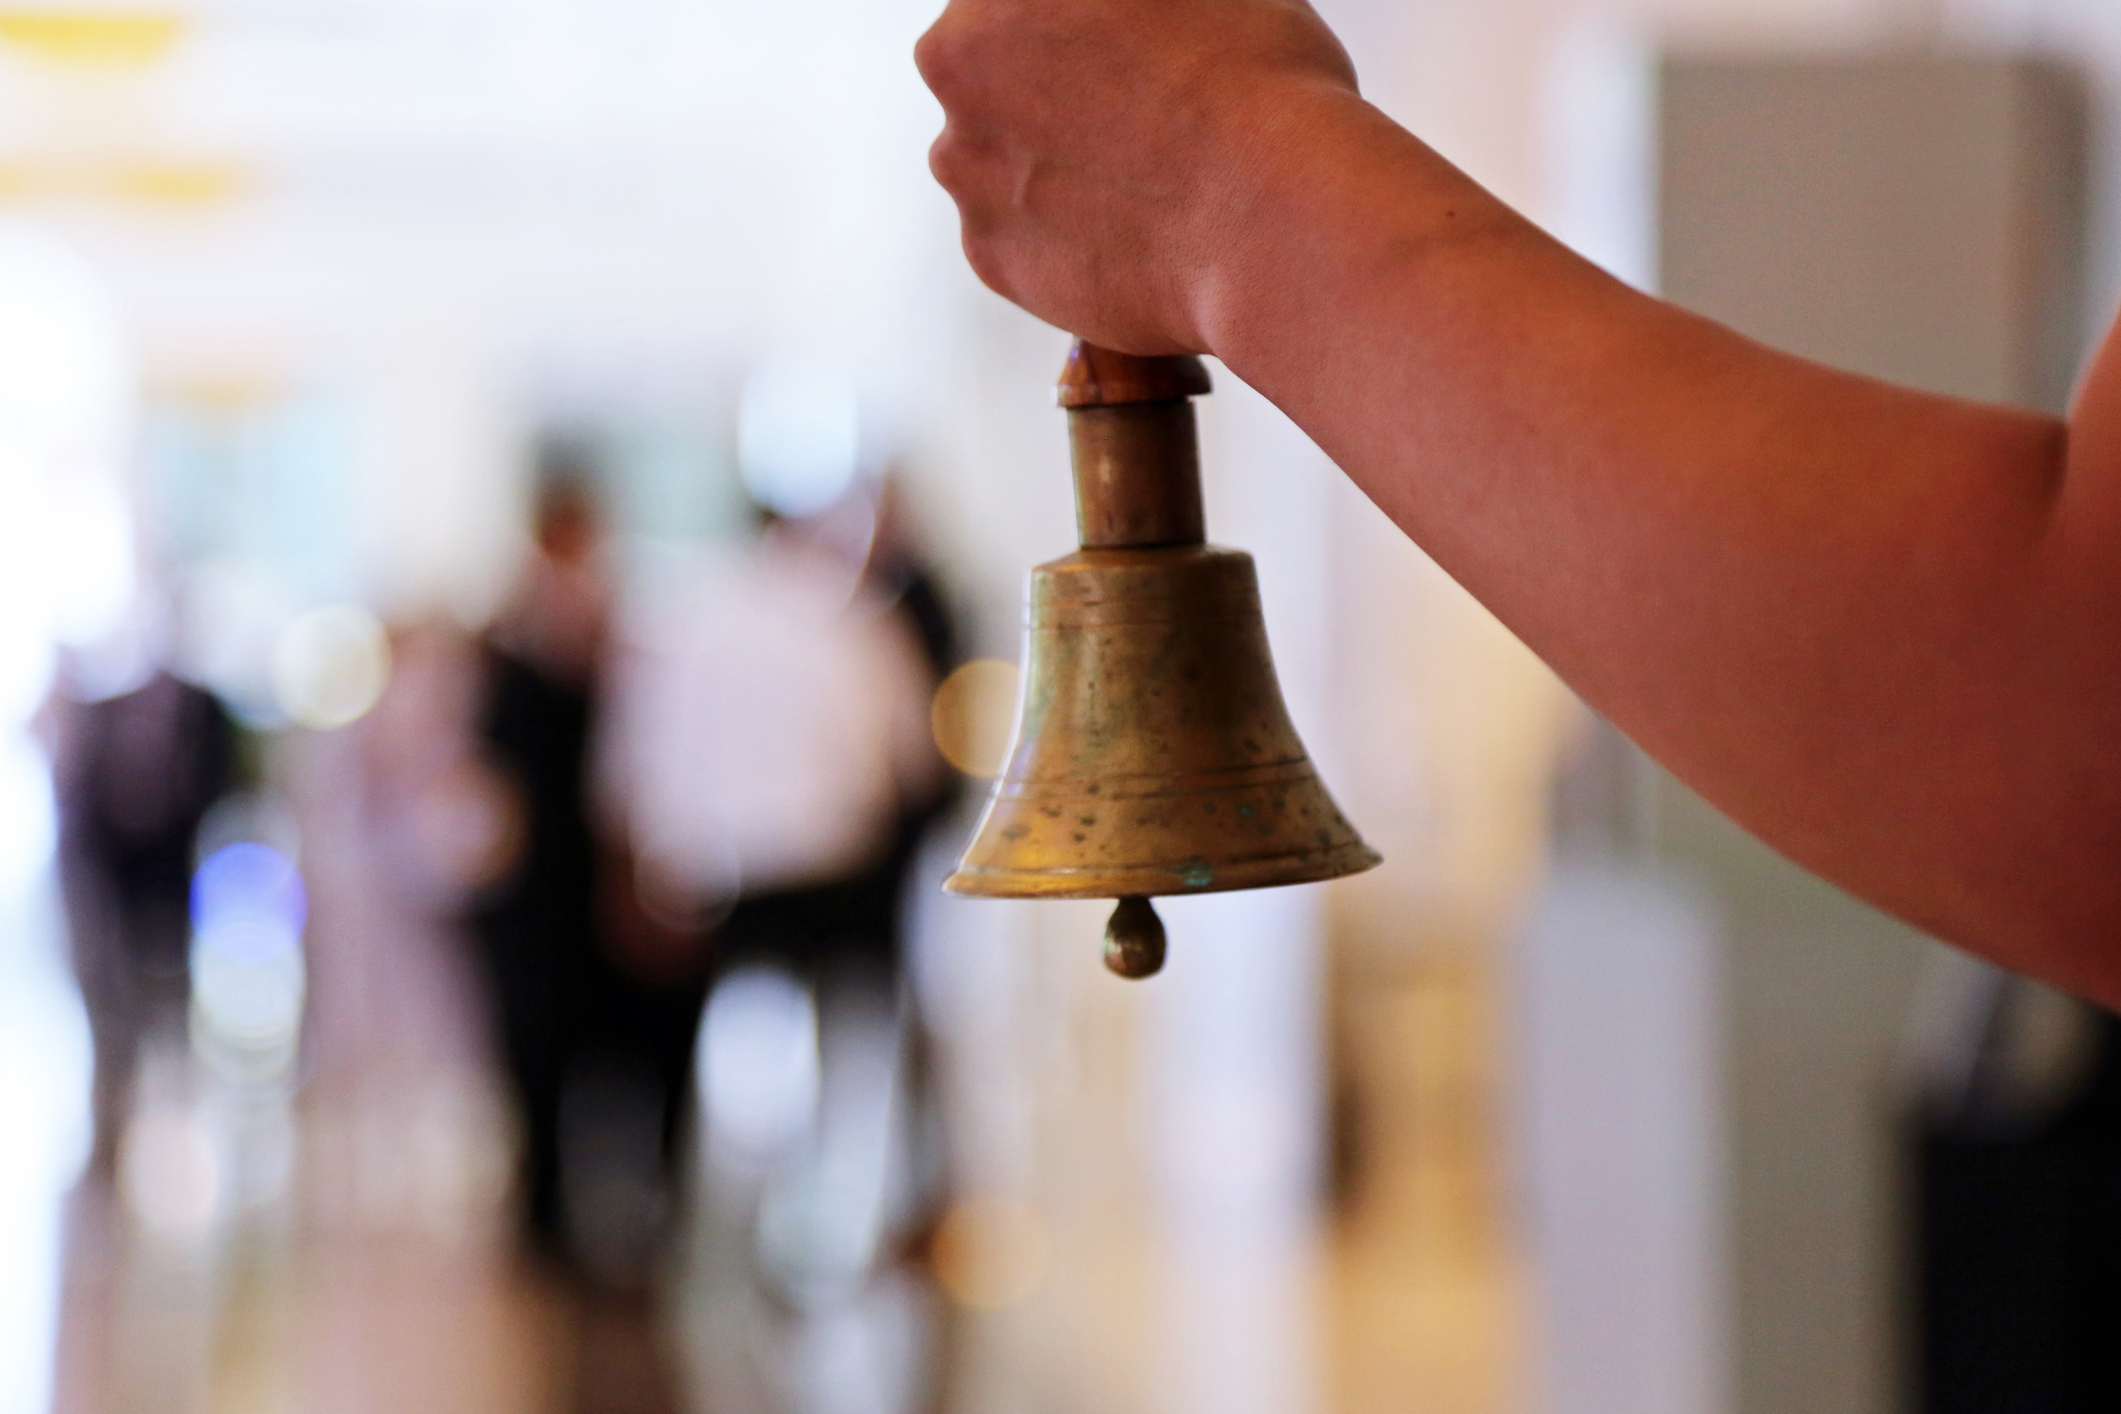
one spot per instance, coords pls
(1108, 157)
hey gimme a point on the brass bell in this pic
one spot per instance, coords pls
(1153, 754)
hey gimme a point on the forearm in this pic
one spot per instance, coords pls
(1862, 620)
(1876, 627)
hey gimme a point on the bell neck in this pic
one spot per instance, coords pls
(1135, 448)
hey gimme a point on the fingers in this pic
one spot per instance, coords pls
(962, 164)
(964, 152)
(972, 171)
(937, 54)
(1092, 146)
(983, 254)
(944, 160)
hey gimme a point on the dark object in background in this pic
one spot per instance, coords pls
(598, 1040)
(140, 771)
(581, 1033)
(2018, 1221)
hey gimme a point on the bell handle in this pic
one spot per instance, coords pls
(1100, 377)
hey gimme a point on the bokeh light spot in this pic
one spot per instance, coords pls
(759, 1063)
(330, 666)
(990, 1254)
(798, 436)
(248, 879)
(249, 978)
(170, 1174)
(974, 714)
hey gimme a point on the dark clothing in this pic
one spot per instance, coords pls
(146, 767)
(810, 928)
(141, 771)
(921, 601)
(2018, 1242)
(570, 1016)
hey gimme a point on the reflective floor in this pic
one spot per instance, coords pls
(345, 1244)
(382, 1278)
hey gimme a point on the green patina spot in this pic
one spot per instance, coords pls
(1197, 876)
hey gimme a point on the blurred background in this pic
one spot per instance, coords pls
(512, 526)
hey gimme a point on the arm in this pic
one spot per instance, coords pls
(1880, 629)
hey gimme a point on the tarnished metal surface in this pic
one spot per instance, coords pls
(1134, 940)
(1153, 754)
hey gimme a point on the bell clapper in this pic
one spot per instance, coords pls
(1134, 939)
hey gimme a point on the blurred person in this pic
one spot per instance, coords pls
(1874, 626)
(773, 752)
(843, 933)
(849, 921)
(772, 746)
(597, 1003)
(137, 775)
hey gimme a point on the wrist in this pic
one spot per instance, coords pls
(1327, 200)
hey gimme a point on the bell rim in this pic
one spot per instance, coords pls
(1164, 881)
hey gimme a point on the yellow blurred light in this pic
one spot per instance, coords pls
(228, 393)
(973, 715)
(989, 1254)
(330, 666)
(93, 38)
(176, 183)
(150, 182)
(169, 183)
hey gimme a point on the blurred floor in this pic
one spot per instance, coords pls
(1423, 1290)
(340, 1292)
(347, 1250)
(381, 1280)
(323, 1322)
(344, 1249)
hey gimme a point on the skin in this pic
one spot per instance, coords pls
(1876, 627)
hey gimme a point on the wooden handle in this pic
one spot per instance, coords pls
(1098, 377)
(1134, 448)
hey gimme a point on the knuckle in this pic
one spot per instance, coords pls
(946, 160)
(939, 56)
(964, 164)
(982, 253)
